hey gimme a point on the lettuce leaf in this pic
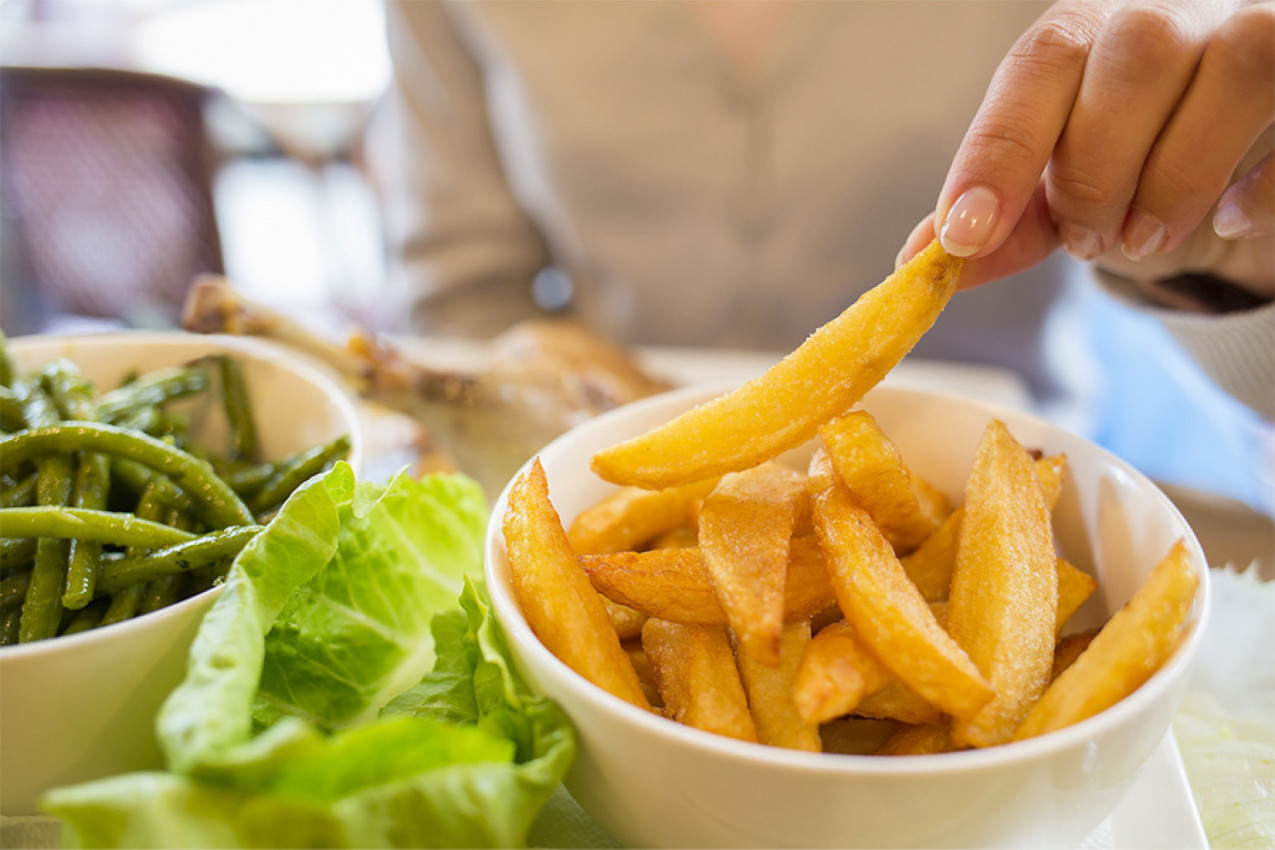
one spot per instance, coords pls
(348, 688)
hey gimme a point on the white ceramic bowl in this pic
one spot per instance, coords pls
(654, 783)
(82, 707)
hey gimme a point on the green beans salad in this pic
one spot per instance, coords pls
(108, 506)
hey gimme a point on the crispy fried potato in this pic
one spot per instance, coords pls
(1069, 649)
(785, 406)
(835, 674)
(769, 690)
(631, 517)
(906, 508)
(920, 740)
(626, 622)
(1004, 595)
(674, 584)
(1132, 645)
(885, 608)
(1074, 587)
(894, 701)
(857, 736)
(694, 669)
(930, 565)
(744, 529)
(555, 595)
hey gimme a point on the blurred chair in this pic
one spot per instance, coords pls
(106, 196)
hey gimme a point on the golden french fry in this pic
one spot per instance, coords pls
(677, 538)
(835, 673)
(785, 406)
(930, 565)
(1004, 595)
(674, 584)
(555, 595)
(1069, 649)
(626, 622)
(1074, 587)
(770, 689)
(1132, 645)
(694, 669)
(894, 701)
(906, 508)
(631, 517)
(885, 608)
(920, 740)
(744, 529)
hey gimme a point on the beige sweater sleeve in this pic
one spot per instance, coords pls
(452, 220)
(1235, 349)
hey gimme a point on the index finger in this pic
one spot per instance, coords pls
(1013, 134)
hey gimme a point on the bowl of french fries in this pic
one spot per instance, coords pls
(133, 467)
(814, 611)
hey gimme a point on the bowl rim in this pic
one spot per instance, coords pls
(518, 632)
(261, 349)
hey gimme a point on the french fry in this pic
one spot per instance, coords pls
(920, 740)
(856, 736)
(626, 622)
(1132, 645)
(930, 565)
(1004, 597)
(785, 406)
(674, 584)
(906, 508)
(885, 608)
(694, 669)
(894, 701)
(835, 673)
(744, 529)
(1074, 587)
(631, 516)
(769, 690)
(1069, 649)
(555, 595)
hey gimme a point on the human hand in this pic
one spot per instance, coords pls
(1135, 134)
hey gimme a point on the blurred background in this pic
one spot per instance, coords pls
(188, 136)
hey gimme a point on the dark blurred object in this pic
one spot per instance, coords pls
(106, 196)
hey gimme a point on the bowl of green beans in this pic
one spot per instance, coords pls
(134, 466)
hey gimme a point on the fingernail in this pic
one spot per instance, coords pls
(1081, 242)
(1230, 222)
(1144, 234)
(969, 222)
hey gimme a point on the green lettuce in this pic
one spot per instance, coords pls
(348, 688)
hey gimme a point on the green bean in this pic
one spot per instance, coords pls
(10, 625)
(70, 392)
(6, 363)
(250, 479)
(42, 608)
(113, 527)
(123, 605)
(151, 390)
(215, 502)
(16, 552)
(22, 493)
(92, 483)
(175, 559)
(10, 410)
(88, 617)
(238, 407)
(297, 470)
(136, 477)
(13, 589)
